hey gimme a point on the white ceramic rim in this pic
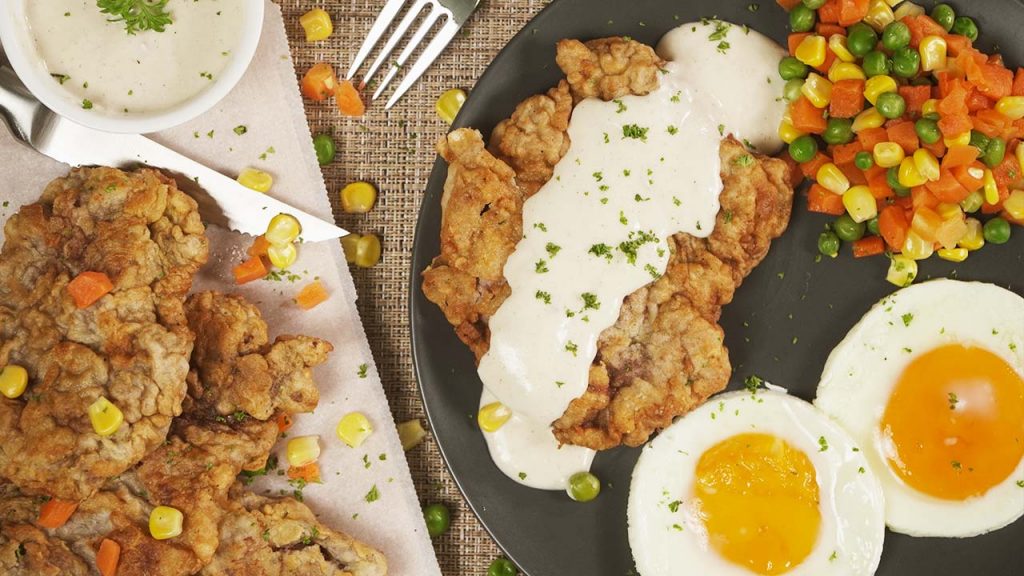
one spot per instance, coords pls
(21, 52)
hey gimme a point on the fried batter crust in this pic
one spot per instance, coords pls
(608, 68)
(132, 346)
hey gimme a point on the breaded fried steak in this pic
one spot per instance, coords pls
(665, 354)
(131, 346)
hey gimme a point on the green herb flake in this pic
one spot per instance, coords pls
(363, 368)
(373, 495)
(590, 301)
(543, 296)
(621, 107)
(571, 347)
(634, 132)
(823, 444)
(86, 104)
(673, 130)
(552, 249)
(137, 15)
(241, 129)
(907, 319)
(601, 251)
(541, 267)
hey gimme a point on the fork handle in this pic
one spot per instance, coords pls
(18, 107)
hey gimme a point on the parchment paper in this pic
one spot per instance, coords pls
(277, 139)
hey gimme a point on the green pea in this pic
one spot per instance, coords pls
(790, 68)
(847, 230)
(927, 130)
(838, 131)
(815, 4)
(979, 141)
(802, 18)
(892, 178)
(861, 39)
(437, 518)
(501, 567)
(863, 160)
(994, 153)
(895, 35)
(323, 144)
(891, 105)
(791, 91)
(876, 63)
(973, 202)
(873, 226)
(906, 62)
(965, 26)
(828, 244)
(997, 231)
(944, 15)
(803, 148)
(583, 487)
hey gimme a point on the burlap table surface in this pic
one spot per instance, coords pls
(397, 159)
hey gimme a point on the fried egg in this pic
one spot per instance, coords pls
(931, 384)
(755, 483)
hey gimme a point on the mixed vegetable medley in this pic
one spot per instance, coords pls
(910, 135)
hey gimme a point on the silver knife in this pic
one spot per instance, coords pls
(222, 201)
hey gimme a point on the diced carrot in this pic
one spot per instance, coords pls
(947, 188)
(869, 137)
(944, 82)
(788, 5)
(310, 472)
(1018, 83)
(868, 246)
(853, 174)
(824, 201)
(922, 198)
(991, 123)
(811, 167)
(960, 155)
(846, 153)
(987, 208)
(956, 43)
(921, 26)
(878, 183)
(88, 287)
(915, 97)
(1007, 172)
(830, 59)
(992, 80)
(938, 148)
(963, 176)
(350, 103)
(259, 247)
(893, 226)
(977, 101)
(847, 98)
(55, 513)
(828, 30)
(250, 270)
(903, 134)
(107, 557)
(926, 222)
(829, 12)
(807, 118)
(319, 82)
(954, 125)
(311, 295)
(955, 101)
(852, 11)
(794, 40)
(284, 422)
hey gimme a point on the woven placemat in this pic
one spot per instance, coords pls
(395, 151)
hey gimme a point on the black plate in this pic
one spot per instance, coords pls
(788, 297)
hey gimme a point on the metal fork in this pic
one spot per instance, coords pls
(456, 12)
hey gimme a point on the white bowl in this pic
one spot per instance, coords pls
(24, 57)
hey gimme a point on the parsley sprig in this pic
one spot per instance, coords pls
(137, 15)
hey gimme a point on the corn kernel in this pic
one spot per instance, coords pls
(878, 85)
(909, 176)
(953, 254)
(449, 104)
(1011, 106)
(368, 251)
(991, 189)
(13, 380)
(1014, 205)
(105, 416)
(283, 229)
(349, 246)
(907, 9)
(493, 416)
(961, 140)
(845, 71)
(917, 247)
(787, 133)
(165, 522)
(870, 118)
(811, 50)
(902, 271)
(832, 178)
(358, 197)
(930, 106)
(933, 53)
(974, 238)
(837, 44)
(354, 428)
(818, 90)
(860, 203)
(283, 255)
(303, 450)
(893, 3)
(973, 202)
(888, 154)
(411, 434)
(257, 180)
(879, 15)
(926, 164)
(317, 24)
(949, 211)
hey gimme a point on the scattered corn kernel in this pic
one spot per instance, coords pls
(817, 89)
(449, 104)
(411, 434)
(949, 211)
(105, 416)
(349, 245)
(907, 9)
(953, 254)
(317, 24)
(1011, 106)
(916, 247)
(1014, 205)
(493, 416)
(909, 176)
(931, 106)
(879, 15)
(860, 203)
(257, 180)
(878, 85)
(353, 429)
(358, 197)
(165, 522)
(811, 50)
(283, 255)
(961, 140)
(845, 71)
(888, 154)
(368, 251)
(974, 239)
(991, 189)
(933, 53)
(837, 44)
(13, 380)
(870, 118)
(832, 178)
(283, 229)
(926, 164)
(787, 133)
(973, 202)
(303, 450)
(902, 271)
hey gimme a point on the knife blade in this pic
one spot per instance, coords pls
(222, 201)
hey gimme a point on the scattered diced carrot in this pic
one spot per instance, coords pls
(319, 82)
(937, 148)
(955, 101)
(904, 134)
(847, 98)
(893, 226)
(1018, 83)
(811, 167)
(807, 118)
(55, 513)
(259, 247)
(107, 557)
(350, 103)
(794, 40)
(853, 174)
(868, 246)
(977, 101)
(828, 30)
(963, 175)
(992, 80)
(824, 201)
(944, 81)
(310, 472)
(829, 12)
(960, 155)
(921, 26)
(947, 188)
(954, 125)
(846, 153)
(956, 43)
(311, 295)
(88, 287)
(869, 137)
(1007, 172)
(992, 124)
(250, 270)
(788, 5)
(915, 97)
(830, 59)
(926, 223)
(878, 183)
(922, 198)
(284, 422)
(852, 11)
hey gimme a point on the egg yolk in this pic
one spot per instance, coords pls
(954, 424)
(758, 498)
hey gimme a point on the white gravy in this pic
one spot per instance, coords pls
(638, 170)
(100, 63)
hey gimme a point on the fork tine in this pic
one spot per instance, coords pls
(403, 27)
(414, 43)
(380, 25)
(430, 53)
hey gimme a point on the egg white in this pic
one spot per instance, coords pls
(670, 543)
(862, 370)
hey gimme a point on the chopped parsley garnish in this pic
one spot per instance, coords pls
(606, 139)
(559, 383)
(907, 319)
(677, 201)
(754, 383)
(744, 161)
(956, 465)
(137, 15)
(601, 251)
(634, 132)
(308, 539)
(622, 218)
(598, 176)
(543, 296)
(241, 129)
(632, 246)
(674, 506)
(86, 104)
(590, 301)
(622, 107)
(373, 495)
(571, 346)
(541, 267)
(522, 475)
(953, 400)
(823, 443)
(721, 129)
(362, 370)
(540, 226)
(672, 130)
(553, 249)
(62, 78)
(676, 97)
(652, 271)
(833, 556)
(249, 476)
